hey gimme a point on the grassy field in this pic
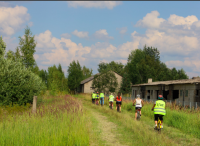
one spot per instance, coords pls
(59, 121)
(141, 133)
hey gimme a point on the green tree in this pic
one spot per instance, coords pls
(2, 47)
(114, 66)
(86, 72)
(125, 84)
(145, 63)
(106, 81)
(26, 47)
(75, 75)
(17, 84)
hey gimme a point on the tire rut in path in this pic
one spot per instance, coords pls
(106, 128)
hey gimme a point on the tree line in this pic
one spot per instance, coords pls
(21, 78)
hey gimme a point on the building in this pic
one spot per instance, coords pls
(86, 85)
(185, 90)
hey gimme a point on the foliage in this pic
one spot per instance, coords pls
(75, 75)
(86, 72)
(114, 66)
(106, 81)
(125, 84)
(55, 79)
(26, 47)
(17, 83)
(144, 64)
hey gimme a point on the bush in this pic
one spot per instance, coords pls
(18, 84)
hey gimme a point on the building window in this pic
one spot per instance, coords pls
(181, 92)
(197, 92)
(151, 92)
(186, 93)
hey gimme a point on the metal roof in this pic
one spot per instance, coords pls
(183, 81)
(92, 77)
(89, 79)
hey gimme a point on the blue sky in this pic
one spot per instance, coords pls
(94, 32)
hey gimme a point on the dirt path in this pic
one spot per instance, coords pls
(108, 130)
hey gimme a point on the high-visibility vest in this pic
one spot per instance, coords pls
(93, 96)
(160, 107)
(119, 99)
(97, 96)
(101, 94)
(111, 98)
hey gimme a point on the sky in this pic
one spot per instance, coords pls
(104, 31)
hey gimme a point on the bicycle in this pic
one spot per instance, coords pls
(111, 103)
(138, 114)
(158, 128)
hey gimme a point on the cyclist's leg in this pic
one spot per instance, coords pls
(120, 106)
(140, 111)
(112, 104)
(103, 100)
(161, 119)
(156, 119)
(116, 105)
(136, 113)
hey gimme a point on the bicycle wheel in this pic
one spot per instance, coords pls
(138, 115)
(159, 126)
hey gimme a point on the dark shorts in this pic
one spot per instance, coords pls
(156, 117)
(118, 102)
(138, 108)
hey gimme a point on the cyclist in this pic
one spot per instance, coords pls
(102, 98)
(138, 105)
(159, 110)
(97, 98)
(111, 99)
(118, 101)
(93, 97)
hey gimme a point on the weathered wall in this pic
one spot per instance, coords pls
(87, 88)
(190, 97)
(87, 85)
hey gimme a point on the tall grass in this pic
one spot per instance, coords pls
(59, 121)
(184, 120)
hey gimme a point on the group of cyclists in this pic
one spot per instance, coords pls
(159, 107)
(99, 99)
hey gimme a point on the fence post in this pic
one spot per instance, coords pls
(34, 104)
(196, 105)
(170, 102)
(190, 105)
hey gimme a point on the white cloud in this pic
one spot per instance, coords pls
(5, 4)
(94, 4)
(151, 20)
(122, 30)
(65, 35)
(102, 34)
(44, 41)
(192, 63)
(10, 43)
(12, 19)
(80, 34)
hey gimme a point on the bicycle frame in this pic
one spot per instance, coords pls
(158, 125)
(138, 114)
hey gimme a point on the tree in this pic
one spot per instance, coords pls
(26, 47)
(86, 72)
(106, 81)
(18, 84)
(75, 75)
(125, 84)
(114, 66)
(145, 63)
(2, 47)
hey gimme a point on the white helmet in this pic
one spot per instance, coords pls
(138, 95)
